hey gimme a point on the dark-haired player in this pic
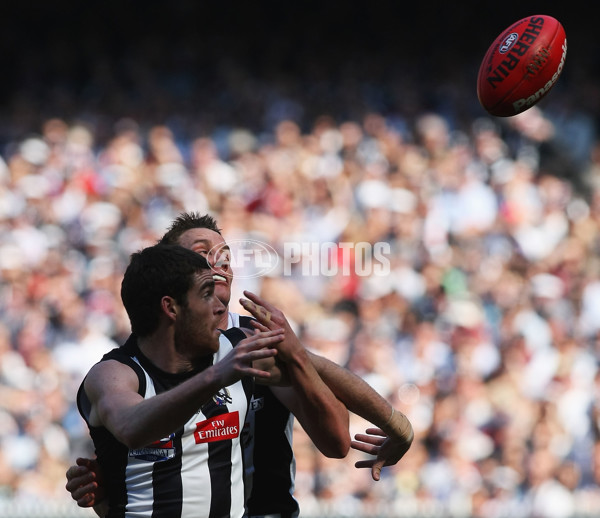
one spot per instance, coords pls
(273, 408)
(166, 418)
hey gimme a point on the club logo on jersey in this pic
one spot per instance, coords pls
(223, 397)
(218, 428)
(158, 451)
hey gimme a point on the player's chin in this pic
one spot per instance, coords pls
(215, 341)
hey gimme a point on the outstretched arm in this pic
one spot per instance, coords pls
(135, 421)
(361, 399)
(323, 417)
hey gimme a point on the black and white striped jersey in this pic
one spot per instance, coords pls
(195, 472)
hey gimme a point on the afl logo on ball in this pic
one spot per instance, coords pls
(508, 42)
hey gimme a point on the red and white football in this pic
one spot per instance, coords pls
(522, 65)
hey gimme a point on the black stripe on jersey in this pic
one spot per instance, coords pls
(219, 465)
(234, 334)
(167, 487)
(272, 482)
(246, 322)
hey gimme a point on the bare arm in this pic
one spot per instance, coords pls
(323, 417)
(135, 421)
(361, 399)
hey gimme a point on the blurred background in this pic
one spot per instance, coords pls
(314, 122)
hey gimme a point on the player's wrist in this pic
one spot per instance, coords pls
(398, 427)
(294, 354)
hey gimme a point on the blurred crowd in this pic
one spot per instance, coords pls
(483, 329)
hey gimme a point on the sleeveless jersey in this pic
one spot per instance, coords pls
(195, 472)
(270, 462)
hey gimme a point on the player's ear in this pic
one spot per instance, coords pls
(169, 307)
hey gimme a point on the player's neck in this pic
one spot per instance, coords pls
(160, 349)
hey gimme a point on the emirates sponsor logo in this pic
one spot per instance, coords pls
(219, 428)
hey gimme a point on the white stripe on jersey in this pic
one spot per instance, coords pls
(233, 320)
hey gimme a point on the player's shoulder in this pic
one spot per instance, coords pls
(118, 361)
(119, 373)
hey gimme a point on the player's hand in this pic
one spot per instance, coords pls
(268, 317)
(84, 482)
(245, 356)
(387, 451)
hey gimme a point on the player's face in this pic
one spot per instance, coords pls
(211, 245)
(197, 325)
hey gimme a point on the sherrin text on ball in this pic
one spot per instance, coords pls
(522, 65)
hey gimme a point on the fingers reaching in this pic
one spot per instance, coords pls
(369, 439)
(376, 431)
(264, 338)
(259, 301)
(387, 451)
(258, 311)
(365, 447)
(259, 327)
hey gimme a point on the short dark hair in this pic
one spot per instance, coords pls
(187, 221)
(154, 272)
